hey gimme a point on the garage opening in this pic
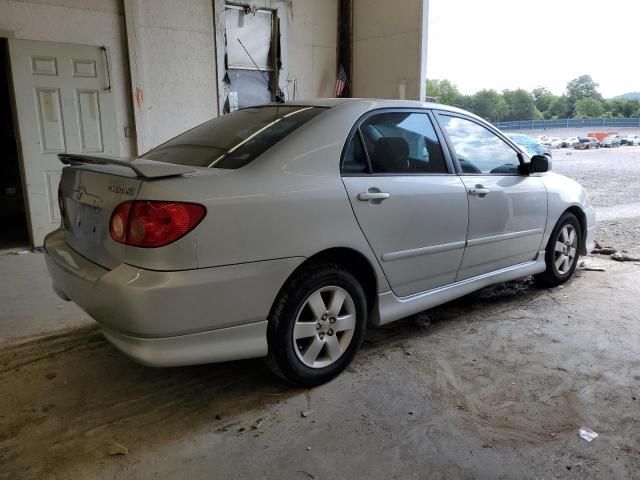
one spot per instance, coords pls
(13, 218)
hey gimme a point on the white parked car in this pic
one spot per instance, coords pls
(284, 231)
(553, 142)
(631, 140)
(569, 141)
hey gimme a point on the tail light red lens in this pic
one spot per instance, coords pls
(150, 223)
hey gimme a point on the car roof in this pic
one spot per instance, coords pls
(379, 102)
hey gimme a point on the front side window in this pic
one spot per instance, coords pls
(478, 149)
(402, 142)
(234, 140)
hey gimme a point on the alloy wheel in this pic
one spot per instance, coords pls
(565, 249)
(324, 327)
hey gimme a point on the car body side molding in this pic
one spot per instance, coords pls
(392, 307)
(415, 252)
(503, 236)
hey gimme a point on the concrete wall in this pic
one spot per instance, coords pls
(389, 48)
(86, 22)
(311, 48)
(173, 69)
(172, 52)
(309, 33)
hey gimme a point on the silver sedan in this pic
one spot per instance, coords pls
(284, 231)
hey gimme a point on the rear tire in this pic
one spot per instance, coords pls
(316, 325)
(561, 254)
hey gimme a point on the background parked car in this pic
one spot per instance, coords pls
(569, 141)
(631, 140)
(610, 142)
(585, 143)
(553, 142)
(529, 145)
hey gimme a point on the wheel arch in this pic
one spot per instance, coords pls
(352, 260)
(582, 220)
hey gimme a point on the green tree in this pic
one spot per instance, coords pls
(559, 107)
(588, 108)
(621, 107)
(582, 87)
(444, 91)
(542, 98)
(521, 104)
(489, 105)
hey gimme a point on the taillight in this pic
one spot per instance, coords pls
(150, 223)
(118, 223)
(60, 199)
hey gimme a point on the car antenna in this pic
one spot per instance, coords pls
(278, 94)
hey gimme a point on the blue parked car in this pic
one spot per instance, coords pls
(529, 145)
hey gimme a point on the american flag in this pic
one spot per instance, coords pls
(341, 81)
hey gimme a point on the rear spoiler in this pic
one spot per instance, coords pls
(141, 167)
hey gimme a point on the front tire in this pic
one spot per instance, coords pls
(561, 254)
(316, 325)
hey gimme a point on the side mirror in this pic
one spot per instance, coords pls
(539, 164)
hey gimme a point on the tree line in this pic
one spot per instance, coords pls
(580, 100)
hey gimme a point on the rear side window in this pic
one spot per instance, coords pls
(234, 140)
(402, 143)
(354, 158)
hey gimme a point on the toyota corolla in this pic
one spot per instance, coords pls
(284, 231)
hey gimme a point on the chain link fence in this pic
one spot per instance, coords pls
(569, 123)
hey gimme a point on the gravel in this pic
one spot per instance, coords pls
(611, 177)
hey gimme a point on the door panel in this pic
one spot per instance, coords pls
(506, 224)
(62, 106)
(418, 232)
(507, 210)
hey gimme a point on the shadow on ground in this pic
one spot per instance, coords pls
(71, 401)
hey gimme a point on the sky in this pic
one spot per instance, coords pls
(509, 44)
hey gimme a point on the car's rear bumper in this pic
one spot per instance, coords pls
(221, 345)
(176, 317)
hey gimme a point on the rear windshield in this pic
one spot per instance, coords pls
(233, 140)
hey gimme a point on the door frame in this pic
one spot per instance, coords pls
(355, 130)
(519, 153)
(106, 55)
(6, 37)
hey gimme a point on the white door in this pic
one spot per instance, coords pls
(64, 105)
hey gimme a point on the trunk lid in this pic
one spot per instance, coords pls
(92, 187)
(90, 195)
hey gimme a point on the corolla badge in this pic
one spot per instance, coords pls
(122, 190)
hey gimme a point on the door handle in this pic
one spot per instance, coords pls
(478, 191)
(368, 196)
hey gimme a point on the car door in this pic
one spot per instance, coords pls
(507, 209)
(409, 203)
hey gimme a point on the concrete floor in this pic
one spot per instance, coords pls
(29, 305)
(495, 387)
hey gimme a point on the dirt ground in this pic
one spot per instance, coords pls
(494, 385)
(612, 179)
